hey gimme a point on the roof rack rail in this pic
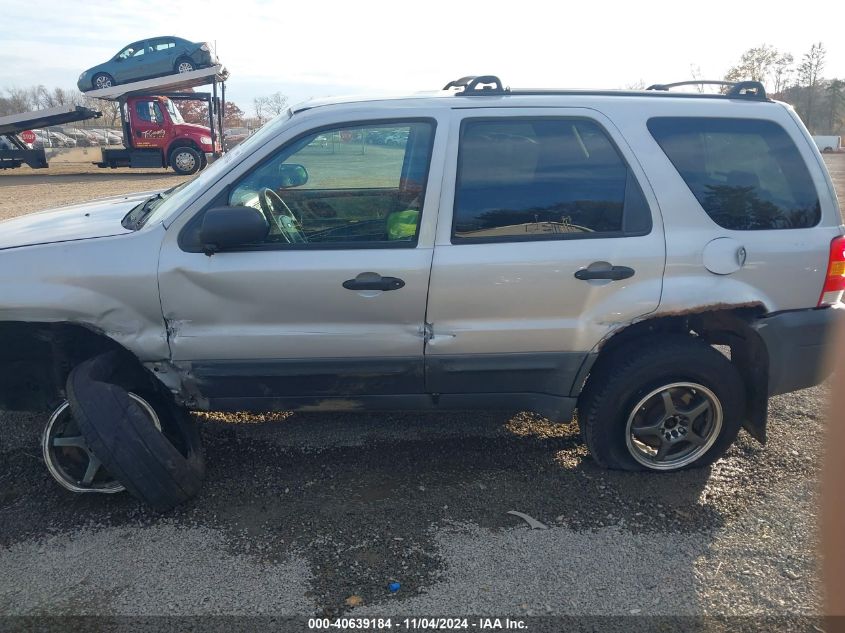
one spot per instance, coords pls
(478, 85)
(744, 89)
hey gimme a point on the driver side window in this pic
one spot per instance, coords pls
(356, 185)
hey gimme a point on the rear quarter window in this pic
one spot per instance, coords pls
(747, 174)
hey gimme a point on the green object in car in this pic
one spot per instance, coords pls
(402, 225)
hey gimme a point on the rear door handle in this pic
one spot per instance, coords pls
(604, 270)
(373, 281)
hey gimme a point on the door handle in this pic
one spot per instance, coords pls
(373, 281)
(604, 270)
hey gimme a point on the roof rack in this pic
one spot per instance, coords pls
(489, 85)
(745, 89)
(478, 85)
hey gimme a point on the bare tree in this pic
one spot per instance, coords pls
(259, 104)
(21, 99)
(695, 73)
(277, 103)
(809, 75)
(782, 72)
(836, 95)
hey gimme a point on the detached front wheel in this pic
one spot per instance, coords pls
(68, 457)
(664, 404)
(162, 467)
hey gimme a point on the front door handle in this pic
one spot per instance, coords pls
(373, 281)
(604, 270)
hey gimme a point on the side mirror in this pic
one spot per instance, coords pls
(230, 227)
(292, 175)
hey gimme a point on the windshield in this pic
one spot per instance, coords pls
(186, 192)
(175, 115)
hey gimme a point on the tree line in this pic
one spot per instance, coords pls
(819, 101)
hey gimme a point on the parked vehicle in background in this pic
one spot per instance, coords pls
(82, 137)
(235, 136)
(111, 137)
(144, 59)
(828, 143)
(52, 138)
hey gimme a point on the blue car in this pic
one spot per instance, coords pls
(145, 59)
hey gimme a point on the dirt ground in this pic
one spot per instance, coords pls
(309, 514)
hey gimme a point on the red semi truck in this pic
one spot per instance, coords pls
(156, 135)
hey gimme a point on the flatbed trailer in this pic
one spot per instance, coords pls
(138, 150)
(141, 149)
(14, 124)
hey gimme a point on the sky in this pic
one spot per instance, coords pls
(317, 48)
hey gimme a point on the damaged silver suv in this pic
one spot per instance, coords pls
(662, 261)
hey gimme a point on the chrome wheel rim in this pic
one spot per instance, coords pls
(69, 460)
(673, 425)
(185, 161)
(103, 82)
(185, 67)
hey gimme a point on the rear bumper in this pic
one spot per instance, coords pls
(798, 343)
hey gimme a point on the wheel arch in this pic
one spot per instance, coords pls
(36, 358)
(728, 326)
(182, 141)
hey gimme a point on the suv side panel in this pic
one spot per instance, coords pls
(278, 322)
(782, 269)
(511, 315)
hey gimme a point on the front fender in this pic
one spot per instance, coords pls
(109, 284)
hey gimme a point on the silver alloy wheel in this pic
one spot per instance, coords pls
(69, 460)
(673, 426)
(103, 81)
(185, 161)
(185, 67)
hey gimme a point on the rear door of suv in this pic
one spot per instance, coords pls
(549, 237)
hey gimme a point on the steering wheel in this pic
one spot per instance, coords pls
(274, 207)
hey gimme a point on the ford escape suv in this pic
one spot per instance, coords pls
(664, 262)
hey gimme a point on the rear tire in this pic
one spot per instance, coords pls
(161, 468)
(632, 411)
(185, 160)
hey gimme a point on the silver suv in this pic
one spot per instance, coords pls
(664, 262)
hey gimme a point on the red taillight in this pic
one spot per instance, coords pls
(834, 282)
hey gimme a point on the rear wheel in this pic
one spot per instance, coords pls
(665, 404)
(184, 65)
(185, 160)
(102, 80)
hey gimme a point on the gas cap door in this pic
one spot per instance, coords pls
(724, 256)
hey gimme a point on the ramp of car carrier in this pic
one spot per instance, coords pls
(168, 83)
(15, 123)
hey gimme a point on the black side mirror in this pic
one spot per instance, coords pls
(292, 175)
(230, 227)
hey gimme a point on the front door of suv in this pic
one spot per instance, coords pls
(332, 303)
(554, 239)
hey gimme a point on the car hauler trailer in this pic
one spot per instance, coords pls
(154, 133)
(14, 124)
(153, 130)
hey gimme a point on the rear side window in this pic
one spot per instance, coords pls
(546, 178)
(747, 174)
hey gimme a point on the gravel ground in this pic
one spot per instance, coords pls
(307, 513)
